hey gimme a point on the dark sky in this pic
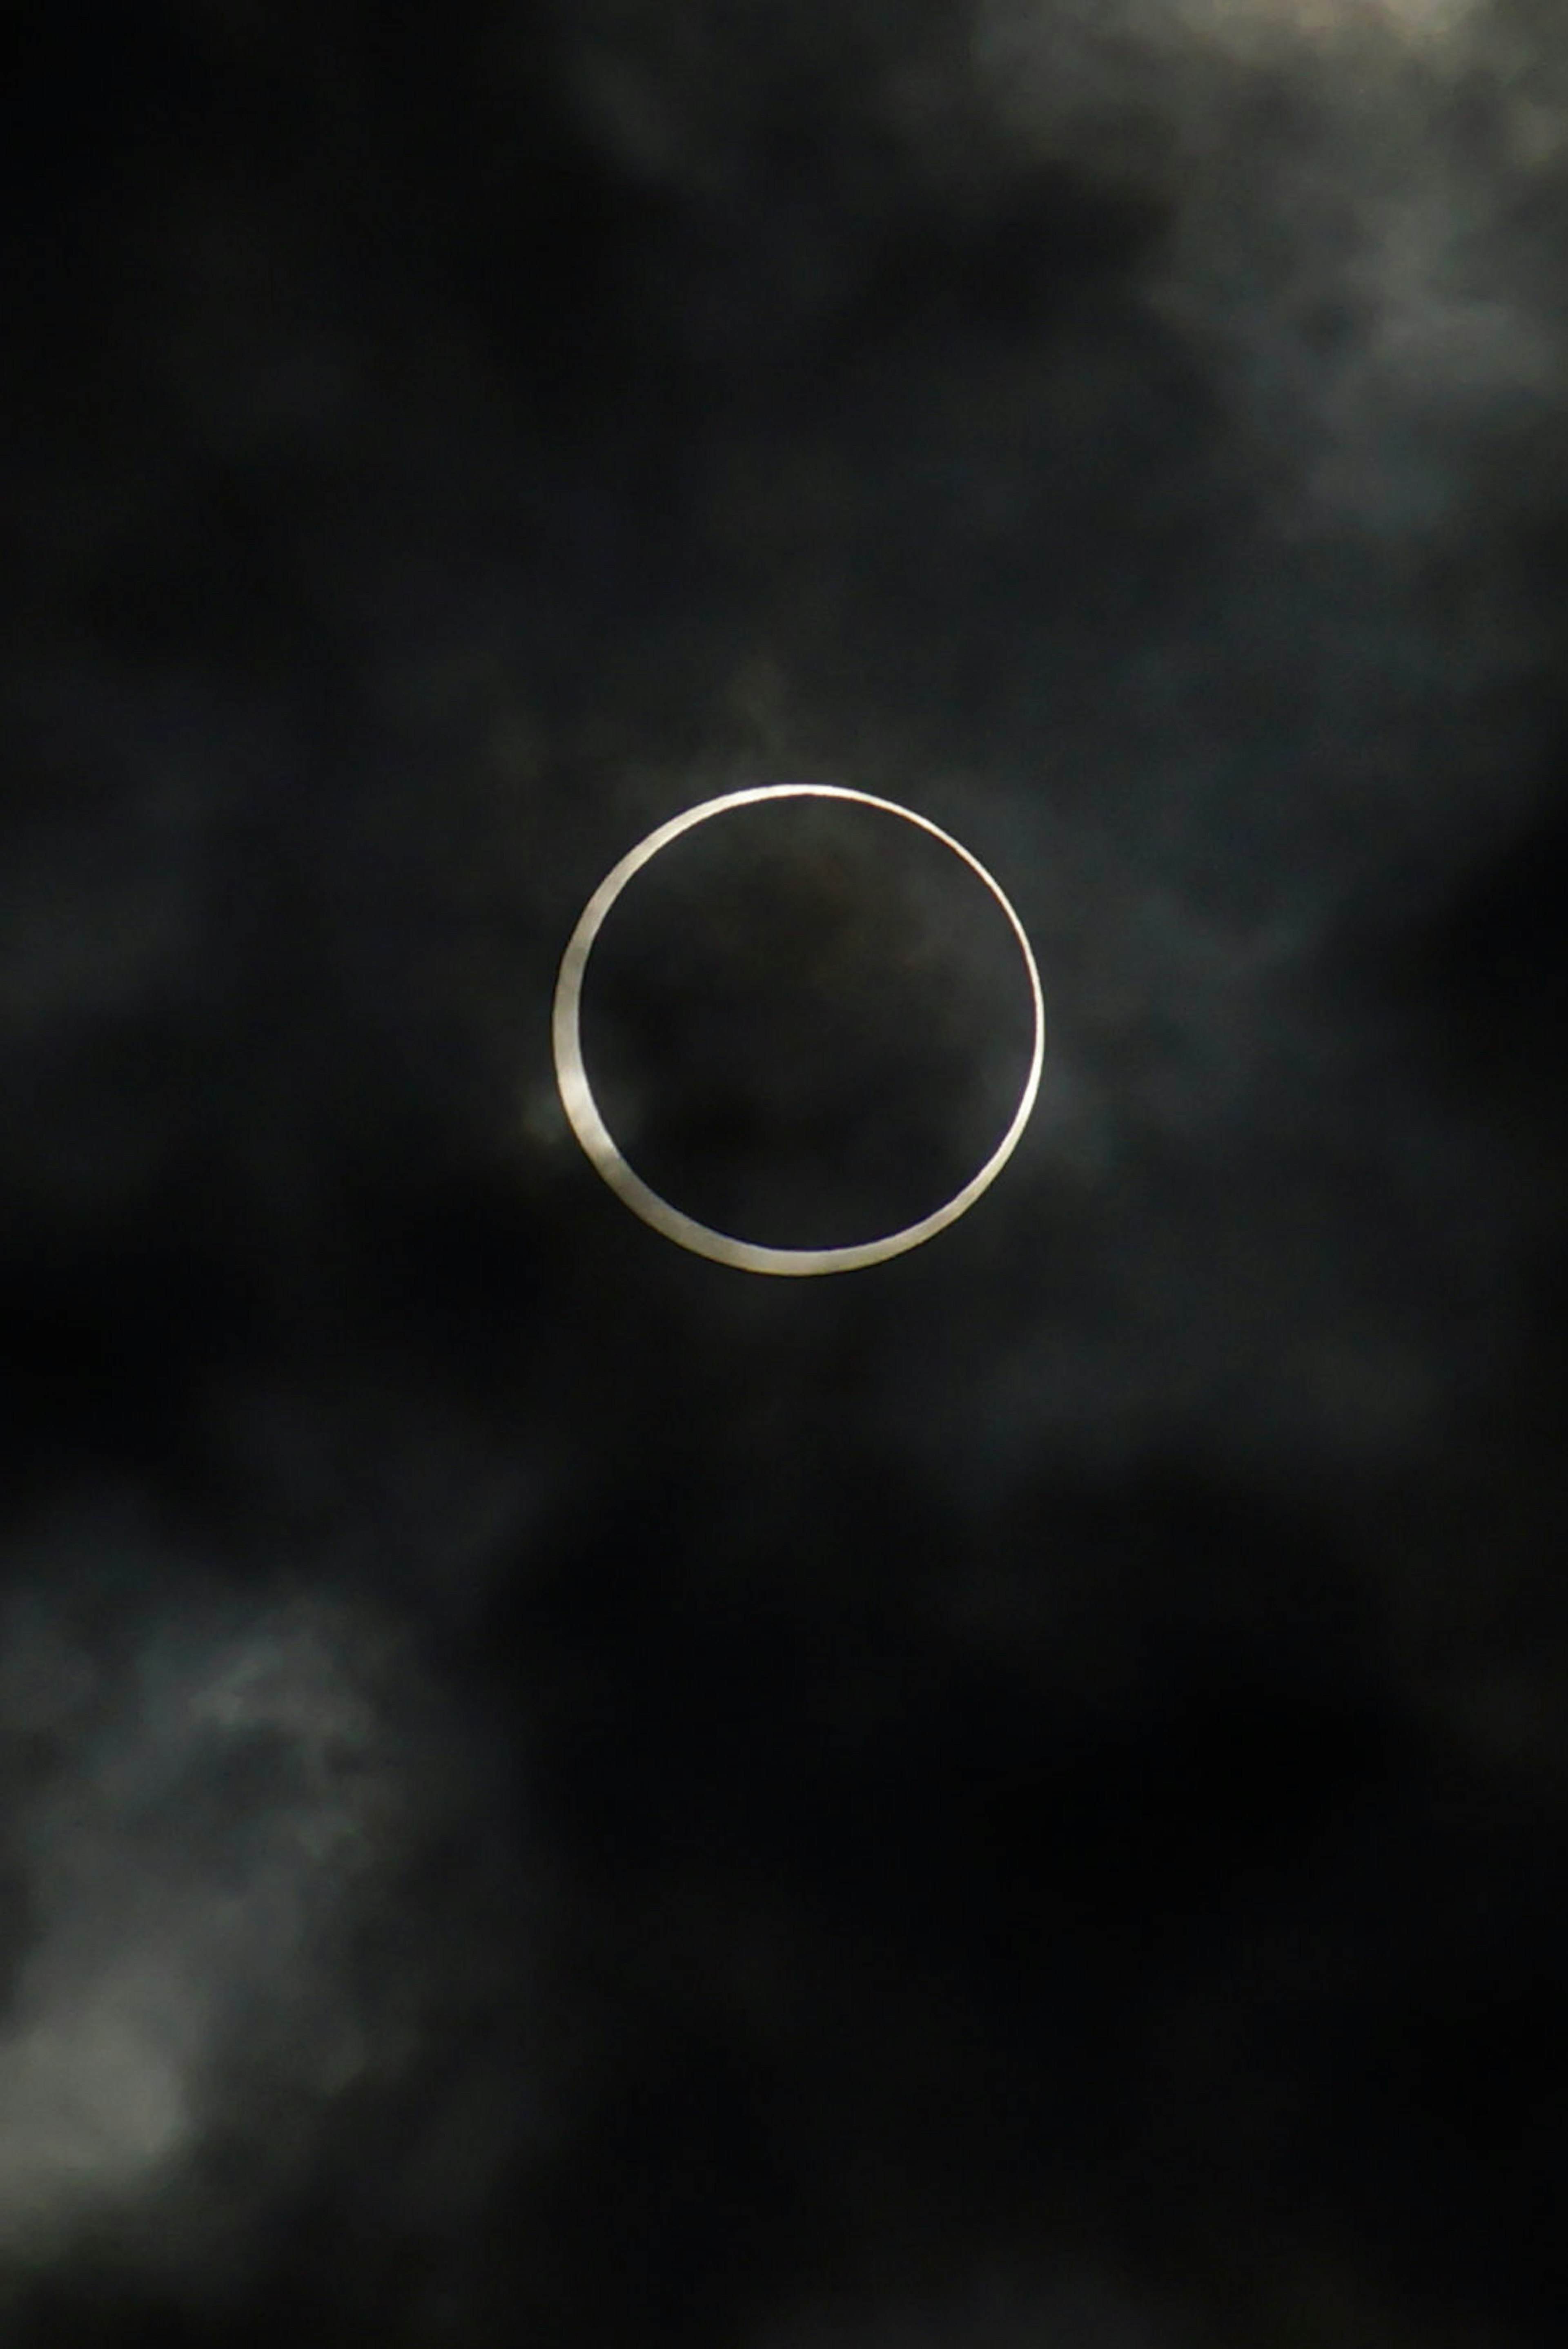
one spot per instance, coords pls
(553, 1791)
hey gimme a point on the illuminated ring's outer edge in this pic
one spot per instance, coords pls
(598, 1144)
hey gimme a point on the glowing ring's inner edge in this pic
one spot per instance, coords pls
(599, 1145)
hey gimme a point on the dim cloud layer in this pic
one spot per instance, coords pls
(172, 1924)
(1371, 201)
(216, 1795)
(1000, 2309)
(1361, 193)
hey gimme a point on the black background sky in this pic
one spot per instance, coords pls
(556, 1792)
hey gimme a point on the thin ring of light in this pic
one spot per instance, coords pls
(582, 1109)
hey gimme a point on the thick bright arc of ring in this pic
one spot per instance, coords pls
(588, 1126)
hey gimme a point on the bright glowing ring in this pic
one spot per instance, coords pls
(582, 1109)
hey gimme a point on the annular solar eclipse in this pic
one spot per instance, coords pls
(600, 1145)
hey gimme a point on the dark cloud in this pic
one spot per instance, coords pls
(552, 1787)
